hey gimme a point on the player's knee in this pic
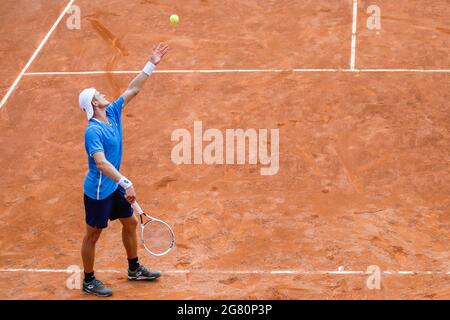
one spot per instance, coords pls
(93, 235)
(130, 223)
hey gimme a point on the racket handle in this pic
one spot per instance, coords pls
(136, 206)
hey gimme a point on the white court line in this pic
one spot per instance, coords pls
(354, 24)
(36, 52)
(100, 72)
(405, 70)
(242, 272)
(179, 71)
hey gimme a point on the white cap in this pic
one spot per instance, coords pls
(85, 100)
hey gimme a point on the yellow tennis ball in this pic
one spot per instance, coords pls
(174, 19)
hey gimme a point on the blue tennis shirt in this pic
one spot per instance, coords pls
(102, 137)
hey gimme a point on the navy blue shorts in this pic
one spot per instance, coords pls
(98, 212)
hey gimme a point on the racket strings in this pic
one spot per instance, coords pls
(157, 237)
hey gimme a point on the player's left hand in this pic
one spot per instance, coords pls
(158, 53)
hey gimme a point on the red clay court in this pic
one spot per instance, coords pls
(364, 122)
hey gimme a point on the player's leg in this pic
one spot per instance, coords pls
(88, 248)
(123, 211)
(129, 236)
(97, 213)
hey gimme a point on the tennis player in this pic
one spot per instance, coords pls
(108, 194)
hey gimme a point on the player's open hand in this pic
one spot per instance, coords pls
(158, 53)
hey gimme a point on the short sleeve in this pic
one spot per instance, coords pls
(93, 141)
(116, 108)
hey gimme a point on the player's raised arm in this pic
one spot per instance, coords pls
(136, 84)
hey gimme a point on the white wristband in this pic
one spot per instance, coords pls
(125, 183)
(149, 67)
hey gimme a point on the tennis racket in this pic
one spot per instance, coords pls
(157, 236)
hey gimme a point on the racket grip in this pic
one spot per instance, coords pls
(137, 207)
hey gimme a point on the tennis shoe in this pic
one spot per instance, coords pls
(142, 273)
(97, 287)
